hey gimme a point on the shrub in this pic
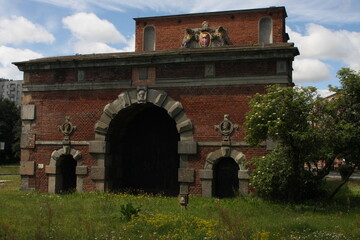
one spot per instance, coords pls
(273, 177)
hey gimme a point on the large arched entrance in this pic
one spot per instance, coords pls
(226, 178)
(143, 154)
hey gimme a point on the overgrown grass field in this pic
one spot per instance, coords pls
(34, 215)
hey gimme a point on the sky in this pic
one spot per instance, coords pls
(327, 32)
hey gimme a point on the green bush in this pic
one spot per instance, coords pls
(272, 178)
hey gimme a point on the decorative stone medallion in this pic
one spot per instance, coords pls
(67, 128)
(226, 128)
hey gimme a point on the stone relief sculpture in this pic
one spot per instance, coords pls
(141, 95)
(67, 128)
(205, 37)
(226, 128)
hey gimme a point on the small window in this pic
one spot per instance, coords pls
(265, 31)
(149, 38)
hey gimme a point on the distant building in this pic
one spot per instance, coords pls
(12, 90)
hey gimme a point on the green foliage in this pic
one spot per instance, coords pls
(272, 174)
(129, 211)
(346, 110)
(9, 131)
(281, 114)
(288, 116)
(308, 130)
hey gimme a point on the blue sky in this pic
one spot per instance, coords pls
(327, 32)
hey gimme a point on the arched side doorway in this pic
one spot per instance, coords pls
(132, 104)
(65, 173)
(226, 181)
(223, 167)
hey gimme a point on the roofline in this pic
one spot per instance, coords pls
(212, 13)
(285, 50)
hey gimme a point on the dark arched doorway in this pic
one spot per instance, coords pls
(143, 151)
(226, 178)
(67, 173)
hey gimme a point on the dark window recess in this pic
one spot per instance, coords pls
(143, 73)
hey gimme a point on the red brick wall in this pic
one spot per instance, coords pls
(163, 71)
(71, 75)
(242, 28)
(205, 106)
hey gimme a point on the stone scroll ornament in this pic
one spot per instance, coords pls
(226, 128)
(205, 37)
(67, 128)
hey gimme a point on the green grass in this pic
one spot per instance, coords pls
(9, 169)
(34, 215)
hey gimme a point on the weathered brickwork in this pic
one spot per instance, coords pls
(198, 88)
(243, 27)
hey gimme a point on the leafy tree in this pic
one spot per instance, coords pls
(344, 112)
(9, 130)
(289, 116)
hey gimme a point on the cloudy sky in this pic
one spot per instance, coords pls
(327, 32)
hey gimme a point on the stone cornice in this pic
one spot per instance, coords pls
(229, 53)
(163, 83)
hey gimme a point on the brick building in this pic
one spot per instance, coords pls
(167, 118)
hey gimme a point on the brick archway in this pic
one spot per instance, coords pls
(186, 145)
(207, 174)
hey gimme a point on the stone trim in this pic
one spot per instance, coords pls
(233, 144)
(27, 168)
(207, 174)
(156, 97)
(246, 52)
(73, 143)
(168, 82)
(52, 169)
(213, 157)
(140, 96)
(28, 112)
(186, 175)
(187, 147)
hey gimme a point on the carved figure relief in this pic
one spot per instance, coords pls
(205, 37)
(226, 128)
(141, 95)
(67, 129)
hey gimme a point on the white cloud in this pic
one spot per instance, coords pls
(307, 70)
(88, 27)
(9, 55)
(16, 30)
(93, 47)
(130, 45)
(84, 47)
(305, 10)
(326, 44)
